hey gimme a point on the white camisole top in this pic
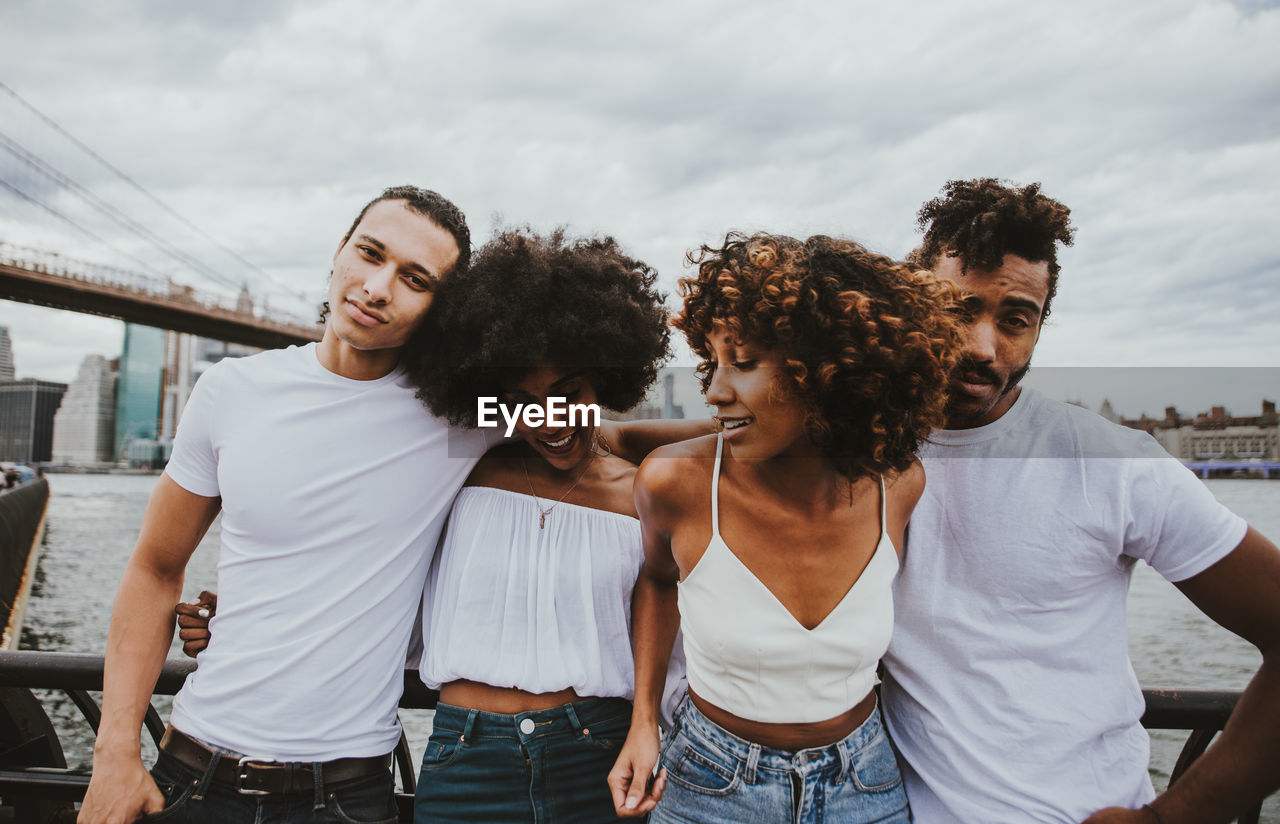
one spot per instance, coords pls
(747, 654)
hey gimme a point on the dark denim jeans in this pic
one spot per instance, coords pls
(543, 767)
(193, 798)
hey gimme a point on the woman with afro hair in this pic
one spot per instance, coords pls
(527, 625)
(773, 545)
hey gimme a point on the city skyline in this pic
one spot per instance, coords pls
(1131, 391)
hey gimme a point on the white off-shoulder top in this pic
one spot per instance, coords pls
(540, 609)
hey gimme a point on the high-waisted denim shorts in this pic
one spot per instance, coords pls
(715, 776)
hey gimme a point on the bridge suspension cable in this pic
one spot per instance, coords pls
(35, 201)
(81, 191)
(104, 208)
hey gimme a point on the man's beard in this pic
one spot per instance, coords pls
(961, 413)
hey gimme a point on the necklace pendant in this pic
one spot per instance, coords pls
(542, 520)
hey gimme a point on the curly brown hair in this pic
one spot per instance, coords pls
(869, 343)
(982, 220)
(531, 300)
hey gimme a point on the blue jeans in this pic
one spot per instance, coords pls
(715, 776)
(542, 767)
(191, 797)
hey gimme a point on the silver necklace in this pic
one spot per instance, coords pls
(543, 513)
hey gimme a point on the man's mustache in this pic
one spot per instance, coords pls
(979, 370)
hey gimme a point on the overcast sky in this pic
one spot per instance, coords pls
(268, 124)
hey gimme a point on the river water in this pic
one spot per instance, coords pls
(93, 521)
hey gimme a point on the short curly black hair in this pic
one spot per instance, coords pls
(439, 209)
(869, 343)
(532, 300)
(982, 220)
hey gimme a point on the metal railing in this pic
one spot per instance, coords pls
(33, 770)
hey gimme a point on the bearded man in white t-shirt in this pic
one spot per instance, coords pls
(1008, 689)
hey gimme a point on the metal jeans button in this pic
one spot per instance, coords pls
(526, 726)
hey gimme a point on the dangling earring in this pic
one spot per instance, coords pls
(600, 446)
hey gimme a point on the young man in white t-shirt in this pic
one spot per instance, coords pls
(1008, 688)
(318, 591)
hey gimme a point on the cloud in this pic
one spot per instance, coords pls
(669, 123)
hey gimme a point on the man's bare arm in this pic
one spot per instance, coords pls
(634, 440)
(137, 643)
(1242, 593)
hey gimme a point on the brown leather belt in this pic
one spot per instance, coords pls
(258, 776)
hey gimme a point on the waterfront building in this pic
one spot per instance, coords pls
(178, 354)
(661, 401)
(1215, 435)
(84, 427)
(670, 409)
(139, 387)
(27, 408)
(6, 356)
(186, 358)
(209, 351)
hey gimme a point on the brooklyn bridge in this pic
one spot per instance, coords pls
(61, 203)
(50, 279)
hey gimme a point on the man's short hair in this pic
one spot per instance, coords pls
(431, 205)
(982, 220)
(435, 206)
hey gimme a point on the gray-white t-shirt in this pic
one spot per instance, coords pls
(333, 493)
(1008, 687)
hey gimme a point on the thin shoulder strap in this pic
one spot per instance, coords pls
(715, 489)
(884, 508)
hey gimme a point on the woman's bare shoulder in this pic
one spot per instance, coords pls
(902, 492)
(907, 484)
(673, 471)
(501, 466)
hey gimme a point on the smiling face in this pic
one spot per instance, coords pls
(1002, 312)
(384, 275)
(564, 447)
(757, 421)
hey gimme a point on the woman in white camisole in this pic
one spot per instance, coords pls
(527, 625)
(772, 545)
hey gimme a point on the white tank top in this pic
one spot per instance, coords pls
(747, 654)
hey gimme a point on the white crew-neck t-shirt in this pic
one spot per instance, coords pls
(1008, 687)
(333, 493)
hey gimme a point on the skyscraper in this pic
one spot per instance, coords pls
(6, 355)
(26, 419)
(138, 390)
(84, 428)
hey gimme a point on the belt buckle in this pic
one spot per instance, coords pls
(242, 772)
